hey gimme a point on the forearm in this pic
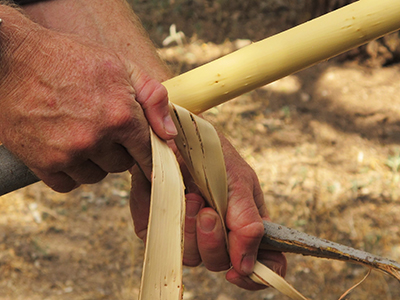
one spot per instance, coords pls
(109, 22)
(18, 40)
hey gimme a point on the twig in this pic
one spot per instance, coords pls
(280, 238)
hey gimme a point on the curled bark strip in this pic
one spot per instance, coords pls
(356, 285)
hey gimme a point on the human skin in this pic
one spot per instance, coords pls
(112, 24)
(68, 108)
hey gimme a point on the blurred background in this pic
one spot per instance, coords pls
(324, 143)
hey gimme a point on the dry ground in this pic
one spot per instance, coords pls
(324, 143)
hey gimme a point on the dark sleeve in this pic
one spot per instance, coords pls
(22, 2)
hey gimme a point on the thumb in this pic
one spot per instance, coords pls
(153, 97)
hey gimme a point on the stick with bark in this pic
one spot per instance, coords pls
(280, 238)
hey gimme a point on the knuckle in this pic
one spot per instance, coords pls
(122, 115)
(212, 247)
(191, 262)
(121, 118)
(252, 231)
(70, 152)
(59, 182)
(218, 265)
(146, 158)
(63, 188)
(190, 227)
(152, 94)
(56, 162)
(120, 167)
(159, 95)
(84, 143)
(141, 234)
(117, 162)
(109, 64)
(87, 176)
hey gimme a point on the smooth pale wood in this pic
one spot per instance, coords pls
(266, 276)
(200, 148)
(283, 54)
(162, 267)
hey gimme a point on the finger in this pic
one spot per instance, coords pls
(136, 139)
(153, 97)
(86, 172)
(211, 241)
(246, 210)
(245, 223)
(276, 261)
(243, 282)
(191, 256)
(140, 202)
(114, 159)
(59, 182)
(247, 231)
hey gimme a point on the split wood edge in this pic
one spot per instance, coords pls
(162, 266)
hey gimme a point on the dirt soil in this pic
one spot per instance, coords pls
(324, 143)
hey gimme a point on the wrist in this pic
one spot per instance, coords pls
(14, 28)
(17, 35)
(110, 23)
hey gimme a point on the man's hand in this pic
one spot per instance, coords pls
(72, 110)
(204, 236)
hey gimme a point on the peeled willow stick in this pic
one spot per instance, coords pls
(283, 54)
(200, 147)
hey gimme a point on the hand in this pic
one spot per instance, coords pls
(204, 237)
(71, 110)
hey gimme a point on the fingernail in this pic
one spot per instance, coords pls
(207, 222)
(247, 264)
(169, 126)
(192, 208)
